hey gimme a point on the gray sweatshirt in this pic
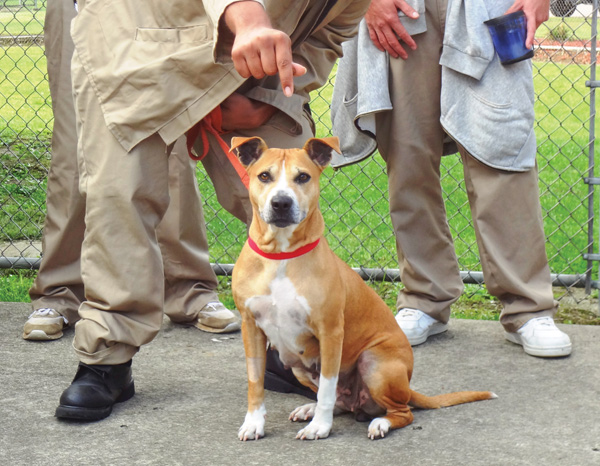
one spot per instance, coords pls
(485, 106)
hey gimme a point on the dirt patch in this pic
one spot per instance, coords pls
(575, 307)
(574, 51)
(576, 316)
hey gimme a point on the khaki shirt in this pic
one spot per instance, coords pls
(161, 66)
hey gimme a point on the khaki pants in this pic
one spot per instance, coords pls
(58, 284)
(127, 196)
(505, 205)
(189, 281)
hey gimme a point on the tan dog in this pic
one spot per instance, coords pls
(337, 335)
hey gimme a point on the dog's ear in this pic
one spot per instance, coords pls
(319, 150)
(248, 150)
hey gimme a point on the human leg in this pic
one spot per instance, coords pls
(507, 217)
(57, 290)
(190, 282)
(411, 141)
(126, 196)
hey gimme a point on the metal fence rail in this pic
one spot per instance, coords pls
(354, 198)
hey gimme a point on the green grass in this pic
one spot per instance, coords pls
(25, 132)
(24, 94)
(26, 21)
(574, 27)
(15, 284)
(22, 191)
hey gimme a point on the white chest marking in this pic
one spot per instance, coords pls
(282, 315)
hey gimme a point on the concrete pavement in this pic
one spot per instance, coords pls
(191, 400)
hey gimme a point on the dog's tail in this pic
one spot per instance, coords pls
(448, 399)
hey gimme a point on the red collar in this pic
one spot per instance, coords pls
(282, 255)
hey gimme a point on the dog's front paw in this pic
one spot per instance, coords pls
(378, 428)
(314, 431)
(253, 427)
(303, 413)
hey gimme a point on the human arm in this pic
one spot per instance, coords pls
(536, 12)
(258, 49)
(385, 29)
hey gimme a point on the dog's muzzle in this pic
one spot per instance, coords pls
(282, 211)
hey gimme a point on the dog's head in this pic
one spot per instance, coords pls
(284, 183)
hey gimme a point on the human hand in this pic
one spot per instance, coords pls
(258, 49)
(536, 12)
(386, 30)
(240, 112)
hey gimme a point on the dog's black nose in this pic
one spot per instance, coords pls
(281, 203)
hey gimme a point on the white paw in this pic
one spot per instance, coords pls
(304, 412)
(378, 428)
(314, 431)
(253, 427)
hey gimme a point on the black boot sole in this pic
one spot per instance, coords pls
(276, 383)
(80, 413)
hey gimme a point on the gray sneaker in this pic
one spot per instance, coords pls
(216, 318)
(44, 324)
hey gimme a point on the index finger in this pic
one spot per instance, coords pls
(283, 56)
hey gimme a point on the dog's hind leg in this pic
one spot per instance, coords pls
(388, 384)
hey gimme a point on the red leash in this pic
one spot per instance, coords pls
(211, 123)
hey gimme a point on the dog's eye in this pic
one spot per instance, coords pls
(302, 178)
(265, 177)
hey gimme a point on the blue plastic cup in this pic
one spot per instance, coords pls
(509, 33)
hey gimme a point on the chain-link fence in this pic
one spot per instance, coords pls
(355, 198)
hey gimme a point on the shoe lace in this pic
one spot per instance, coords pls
(214, 306)
(545, 321)
(47, 311)
(407, 312)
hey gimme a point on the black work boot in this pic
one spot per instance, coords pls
(282, 380)
(94, 391)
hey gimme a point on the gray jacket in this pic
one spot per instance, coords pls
(485, 106)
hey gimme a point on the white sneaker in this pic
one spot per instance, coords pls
(540, 337)
(44, 324)
(418, 326)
